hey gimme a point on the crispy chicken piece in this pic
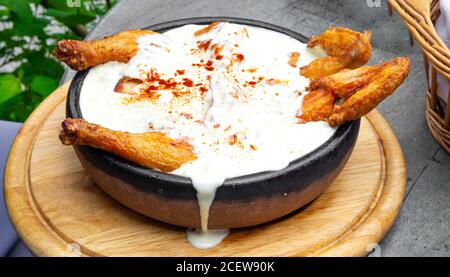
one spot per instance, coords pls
(80, 55)
(372, 84)
(293, 58)
(344, 83)
(206, 29)
(317, 105)
(366, 99)
(127, 85)
(345, 49)
(322, 67)
(151, 150)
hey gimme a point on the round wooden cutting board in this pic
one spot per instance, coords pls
(58, 211)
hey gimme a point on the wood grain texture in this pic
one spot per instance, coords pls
(53, 203)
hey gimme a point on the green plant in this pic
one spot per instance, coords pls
(29, 30)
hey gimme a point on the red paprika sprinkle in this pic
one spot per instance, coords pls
(239, 57)
(232, 139)
(188, 82)
(203, 90)
(204, 45)
(187, 115)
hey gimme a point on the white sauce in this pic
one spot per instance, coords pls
(236, 127)
(204, 239)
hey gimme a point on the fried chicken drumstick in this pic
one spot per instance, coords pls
(80, 55)
(345, 49)
(361, 89)
(151, 150)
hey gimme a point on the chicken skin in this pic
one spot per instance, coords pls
(381, 86)
(361, 90)
(317, 105)
(344, 83)
(80, 55)
(345, 49)
(151, 150)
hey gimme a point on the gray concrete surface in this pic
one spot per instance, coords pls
(423, 226)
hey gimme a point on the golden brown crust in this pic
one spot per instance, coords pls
(80, 55)
(317, 105)
(127, 84)
(346, 49)
(151, 150)
(322, 67)
(344, 83)
(366, 99)
(207, 29)
(293, 59)
(361, 89)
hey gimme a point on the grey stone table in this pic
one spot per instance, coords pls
(423, 226)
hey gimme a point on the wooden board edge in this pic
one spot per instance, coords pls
(358, 220)
(32, 229)
(370, 232)
(23, 214)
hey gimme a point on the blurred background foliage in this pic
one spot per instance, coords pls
(29, 30)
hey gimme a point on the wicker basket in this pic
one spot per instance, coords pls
(420, 17)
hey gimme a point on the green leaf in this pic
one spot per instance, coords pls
(66, 35)
(5, 35)
(19, 107)
(4, 11)
(38, 63)
(20, 9)
(43, 85)
(9, 87)
(71, 17)
(29, 29)
(58, 4)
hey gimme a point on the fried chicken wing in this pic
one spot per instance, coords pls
(151, 150)
(381, 86)
(317, 105)
(322, 67)
(80, 55)
(345, 49)
(344, 83)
